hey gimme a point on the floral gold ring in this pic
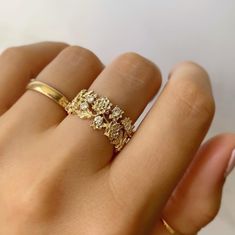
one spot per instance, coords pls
(104, 115)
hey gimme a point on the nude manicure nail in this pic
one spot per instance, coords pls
(231, 164)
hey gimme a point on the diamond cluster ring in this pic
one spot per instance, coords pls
(104, 115)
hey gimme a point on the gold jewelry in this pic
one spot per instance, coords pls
(104, 115)
(48, 91)
(168, 227)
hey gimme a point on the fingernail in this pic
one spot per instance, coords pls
(231, 164)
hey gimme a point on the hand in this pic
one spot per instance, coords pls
(59, 176)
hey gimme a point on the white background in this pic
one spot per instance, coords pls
(165, 31)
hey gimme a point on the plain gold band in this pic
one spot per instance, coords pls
(48, 91)
(168, 227)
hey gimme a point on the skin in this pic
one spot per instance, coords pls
(58, 176)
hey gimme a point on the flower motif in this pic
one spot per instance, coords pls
(70, 108)
(80, 97)
(74, 105)
(113, 130)
(84, 105)
(98, 122)
(90, 96)
(121, 141)
(127, 124)
(116, 113)
(102, 105)
(80, 106)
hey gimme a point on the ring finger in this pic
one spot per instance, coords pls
(19, 64)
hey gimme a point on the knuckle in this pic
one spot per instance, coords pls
(138, 70)
(58, 43)
(192, 98)
(191, 64)
(14, 54)
(76, 54)
(132, 57)
(190, 67)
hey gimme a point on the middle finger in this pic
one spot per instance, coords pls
(129, 82)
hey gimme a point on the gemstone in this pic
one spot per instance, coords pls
(98, 121)
(116, 113)
(84, 106)
(90, 99)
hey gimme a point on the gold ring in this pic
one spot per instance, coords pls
(48, 91)
(168, 227)
(104, 115)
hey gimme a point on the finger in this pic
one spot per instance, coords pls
(19, 64)
(147, 170)
(129, 82)
(196, 200)
(72, 70)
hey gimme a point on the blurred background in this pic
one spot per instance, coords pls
(165, 31)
